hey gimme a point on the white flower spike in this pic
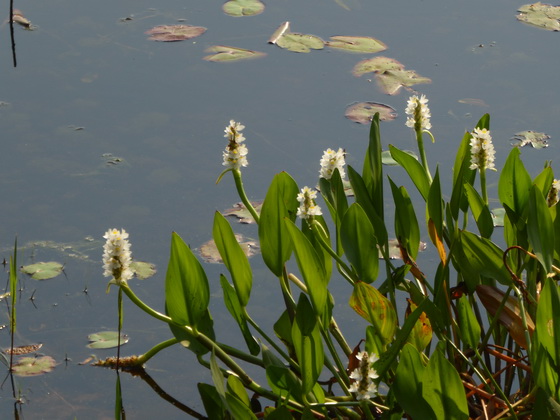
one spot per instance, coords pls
(117, 256)
(307, 207)
(330, 161)
(418, 113)
(482, 150)
(235, 154)
(363, 377)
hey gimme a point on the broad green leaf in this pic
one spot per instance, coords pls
(233, 257)
(213, 405)
(106, 340)
(388, 160)
(238, 409)
(443, 389)
(530, 138)
(462, 174)
(540, 228)
(218, 378)
(143, 270)
(243, 7)
(414, 169)
(421, 334)
(295, 42)
(468, 324)
(376, 309)
(311, 269)
(221, 53)
(43, 270)
(548, 319)
(373, 168)
(406, 223)
(172, 33)
(359, 243)
(514, 184)
(280, 413)
(33, 366)
(235, 388)
(435, 206)
(481, 212)
(498, 217)
(280, 202)
(545, 371)
(363, 112)
(361, 44)
(376, 65)
(186, 287)
(544, 182)
(284, 382)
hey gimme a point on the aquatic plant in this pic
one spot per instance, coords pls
(479, 336)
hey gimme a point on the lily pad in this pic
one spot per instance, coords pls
(223, 53)
(43, 270)
(363, 112)
(240, 8)
(387, 159)
(17, 17)
(31, 348)
(530, 138)
(391, 81)
(143, 270)
(210, 254)
(395, 251)
(295, 42)
(361, 44)
(540, 15)
(106, 340)
(240, 211)
(172, 33)
(498, 216)
(33, 366)
(376, 65)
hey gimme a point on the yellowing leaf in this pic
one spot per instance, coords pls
(540, 15)
(363, 112)
(172, 33)
(223, 53)
(362, 44)
(295, 42)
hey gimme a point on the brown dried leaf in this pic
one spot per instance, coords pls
(31, 348)
(172, 33)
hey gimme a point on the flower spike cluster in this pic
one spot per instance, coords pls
(482, 150)
(235, 154)
(330, 161)
(363, 377)
(307, 207)
(554, 193)
(117, 256)
(418, 113)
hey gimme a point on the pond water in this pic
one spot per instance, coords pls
(102, 128)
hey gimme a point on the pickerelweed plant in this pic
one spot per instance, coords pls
(479, 339)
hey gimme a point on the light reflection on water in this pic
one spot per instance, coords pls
(162, 110)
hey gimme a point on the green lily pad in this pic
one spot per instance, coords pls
(363, 112)
(240, 212)
(391, 81)
(530, 138)
(498, 216)
(223, 53)
(106, 340)
(33, 366)
(387, 159)
(361, 44)
(376, 65)
(173, 33)
(395, 251)
(43, 270)
(295, 42)
(143, 270)
(210, 254)
(540, 15)
(243, 7)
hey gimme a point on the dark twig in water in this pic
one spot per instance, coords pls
(14, 59)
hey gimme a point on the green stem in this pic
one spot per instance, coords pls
(345, 271)
(483, 185)
(156, 349)
(422, 152)
(241, 191)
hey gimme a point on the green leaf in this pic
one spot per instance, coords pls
(221, 53)
(33, 366)
(363, 112)
(481, 212)
(548, 320)
(280, 202)
(406, 224)
(238, 409)
(514, 185)
(43, 270)
(361, 44)
(187, 292)
(530, 138)
(295, 42)
(143, 270)
(435, 205)
(311, 269)
(373, 168)
(359, 243)
(233, 257)
(540, 228)
(376, 65)
(468, 324)
(414, 170)
(462, 174)
(106, 340)
(213, 405)
(218, 378)
(388, 160)
(543, 16)
(235, 388)
(484, 257)
(243, 7)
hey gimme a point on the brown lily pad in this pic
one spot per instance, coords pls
(33, 366)
(240, 212)
(173, 33)
(224, 53)
(363, 112)
(361, 44)
(210, 254)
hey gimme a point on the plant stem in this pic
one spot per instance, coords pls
(156, 349)
(241, 191)
(422, 152)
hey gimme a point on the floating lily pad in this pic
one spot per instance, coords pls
(473, 101)
(395, 251)
(106, 340)
(540, 15)
(223, 53)
(31, 348)
(387, 159)
(361, 44)
(376, 65)
(240, 211)
(391, 81)
(498, 216)
(43, 270)
(363, 112)
(210, 253)
(33, 366)
(172, 33)
(243, 7)
(530, 138)
(17, 17)
(295, 42)
(143, 270)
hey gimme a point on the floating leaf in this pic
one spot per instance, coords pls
(106, 340)
(171, 33)
(43, 270)
(473, 101)
(395, 250)
(243, 7)
(362, 44)
(391, 81)
(143, 270)
(240, 211)
(540, 15)
(17, 17)
(388, 160)
(530, 138)
(33, 366)
(498, 216)
(295, 42)
(281, 30)
(363, 112)
(223, 53)
(376, 65)
(31, 348)
(210, 254)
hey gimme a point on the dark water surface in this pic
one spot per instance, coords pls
(89, 88)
